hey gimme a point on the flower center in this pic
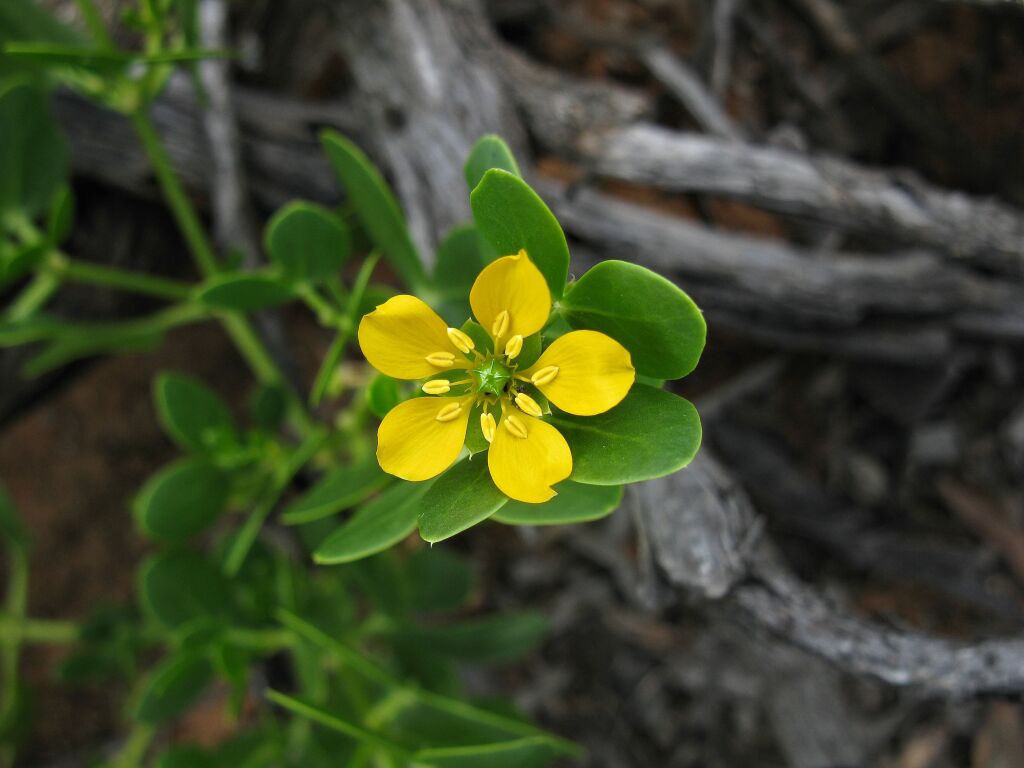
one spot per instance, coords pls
(492, 377)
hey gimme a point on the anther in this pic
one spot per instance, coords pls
(514, 347)
(450, 412)
(544, 376)
(515, 426)
(441, 359)
(461, 341)
(527, 404)
(500, 325)
(487, 426)
(437, 386)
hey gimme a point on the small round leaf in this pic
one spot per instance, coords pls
(307, 241)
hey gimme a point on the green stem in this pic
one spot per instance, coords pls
(251, 529)
(17, 600)
(15, 628)
(348, 323)
(94, 22)
(96, 274)
(135, 747)
(182, 210)
(33, 296)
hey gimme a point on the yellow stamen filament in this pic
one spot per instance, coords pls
(487, 426)
(514, 347)
(441, 359)
(527, 404)
(450, 412)
(545, 375)
(515, 427)
(500, 325)
(461, 341)
(437, 386)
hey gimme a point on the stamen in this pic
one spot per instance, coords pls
(461, 340)
(515, 427)
(441, 359)
(514, 347)
(528, 405)
(450, 412)
(437, 386)
(487, 426)
(545, 375)
(500, 325)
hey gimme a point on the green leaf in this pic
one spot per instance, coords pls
(379, 524)
(496, 639)
(651, 433)
(11, 526)
(181, 586)
(460, 257)
(194, 416)
(490, 151)
(575, 503)
(181, 500)
(481, 338)
(376, 206)
(383, 394)
(268, 407)
(186, 756)
(438, 580)
(307, 241)
(658, 323)
(62, 215)
(340, 489)
(460, 498)
(511, 216)
(528, 752)
(173, 686)
(244, 292)
(33, 153)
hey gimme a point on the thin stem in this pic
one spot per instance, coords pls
(134, 750)
(17, 600)
(39, 631)
(94, 22)
(251, 529)
(136, 282)
(33, 296)
(182, 210)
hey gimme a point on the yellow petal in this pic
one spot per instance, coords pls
(594, 372)
(525, 468)
(422, 437)
(511, 284)
(399, 336)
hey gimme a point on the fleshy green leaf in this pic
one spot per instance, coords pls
(376, 205)
(307, 241)
(244, 292)
(659, 324)
(62, 215)
(172, 687)
(511, 216)
(575, 503)
(379, 524)
(460, 257)
(340, 489)
(192, 414)
(268, 407)
(182, 586)
(33, 153)
(182, 499)
(651, 433)
(460, 498)
(383, 394)
(489, 152)
(495, 639)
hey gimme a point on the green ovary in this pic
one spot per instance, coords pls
(492, 377)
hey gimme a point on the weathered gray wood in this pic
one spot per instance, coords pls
(896, 208)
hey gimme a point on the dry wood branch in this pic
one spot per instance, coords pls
(771, 598)
(895, 207)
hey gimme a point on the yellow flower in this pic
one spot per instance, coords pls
(582, 373)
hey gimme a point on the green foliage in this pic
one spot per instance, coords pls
(376, 205)
(383, 394)
(512, 216)
(192, 414)
(650, 434)
(244, 292)
(182, 500)
(575, 503)
(460, 498)
(182, 586)
(489, 152)
(658, 323)
(308, 242)
(339, 489)
(172, 687)
(33, 154)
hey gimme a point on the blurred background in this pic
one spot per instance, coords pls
(838, 580)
